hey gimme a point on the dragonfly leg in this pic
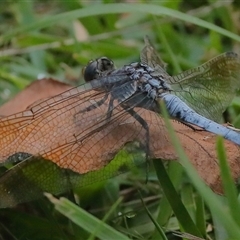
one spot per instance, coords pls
(190, 126)
(110, 108)
(95, 105)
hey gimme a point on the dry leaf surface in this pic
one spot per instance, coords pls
(60, 129)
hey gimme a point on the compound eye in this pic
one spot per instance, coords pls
(96, 68)
(106, 64)
(90, 72)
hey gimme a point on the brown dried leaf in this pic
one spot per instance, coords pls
(42, 131)
(36, 91)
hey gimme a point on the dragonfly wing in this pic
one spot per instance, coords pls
(36, 175)
(67, 131)
(209, 88)
(150, 57)
(29, 179)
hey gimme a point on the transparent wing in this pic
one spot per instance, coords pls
(150, 57)
(73, 135)
(210, 88)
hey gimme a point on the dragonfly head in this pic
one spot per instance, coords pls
(98, 68)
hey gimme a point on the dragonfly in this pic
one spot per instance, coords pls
(73, 135)
(198, 96)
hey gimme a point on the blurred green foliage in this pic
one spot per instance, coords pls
(56, 39)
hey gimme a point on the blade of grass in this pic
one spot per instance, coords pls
(166, 46)
(200, 215)
(174, 199)
(210, 198)
(107, 215)
(175, 171)
(99, 9)
(17, 81)
(162, 235)
(85, 219)
(228, 183)
(188, 200)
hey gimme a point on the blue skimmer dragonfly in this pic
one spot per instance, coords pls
(198, 96)
(81, 130)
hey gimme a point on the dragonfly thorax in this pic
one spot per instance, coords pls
(154, 86)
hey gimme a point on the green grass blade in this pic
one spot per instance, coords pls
(187, 195)
(107, 215)
(101, 9)
(175, 171)
(162, 235)
(200, 215)
(85, 220)
(166, 46)
(228, 183)
(210, 198)
(174, 200)
(17, 81)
